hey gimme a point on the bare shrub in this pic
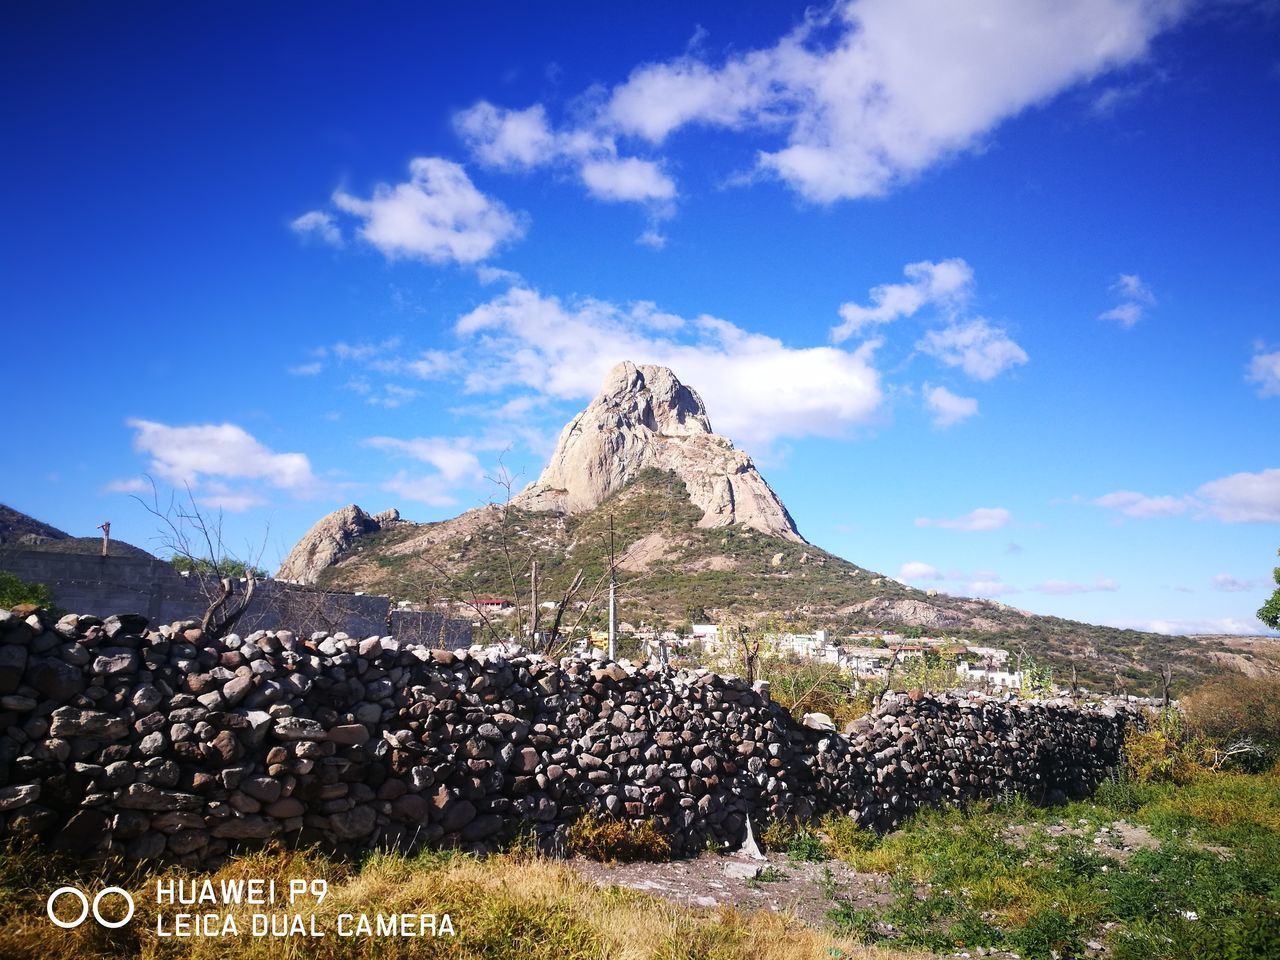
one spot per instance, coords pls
(1238, 712)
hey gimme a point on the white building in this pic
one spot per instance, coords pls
(988, 673)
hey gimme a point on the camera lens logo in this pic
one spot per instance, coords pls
(86, 909)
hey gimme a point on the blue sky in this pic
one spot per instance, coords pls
(989, 295)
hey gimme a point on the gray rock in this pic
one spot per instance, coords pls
(354, 823)
(11, 798)
(71, 722)
(251, 827)
(298, 728)
(736, 870)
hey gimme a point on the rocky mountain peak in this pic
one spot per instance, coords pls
(329, 538)
(644, 417)
(652, 396)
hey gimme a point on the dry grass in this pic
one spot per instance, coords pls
(608, 841)
(504, 906)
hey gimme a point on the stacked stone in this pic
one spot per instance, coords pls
(928, 750)
(117, 739)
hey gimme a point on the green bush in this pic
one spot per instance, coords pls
(845, 838)
(1167, 750)
(800, 842)
(806, 847)
(14, 591)
(227, 566)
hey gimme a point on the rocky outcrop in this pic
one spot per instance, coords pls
(116, 739)
(644, 417)
(962, 615)
(325, 542)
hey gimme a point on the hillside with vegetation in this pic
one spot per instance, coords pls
(673, 572)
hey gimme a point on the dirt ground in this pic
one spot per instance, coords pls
(803, 889)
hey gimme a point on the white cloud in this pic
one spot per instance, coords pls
(1225, 583)
(1222, 625)
(219, 451)
(653, 239)
(948, 409)
(221, 497)
(627, 179)
(317, 224)
(975, 346)
(947, 284)
(431, 364)
(1130, 286)
(1244, 497)
(523, 140)
(863, 94)
(1264, 370)
(1135, 297)
(1126, 314)
(1065, 587)
(508, 139)
(660, 98)
(393, 396)
(915, 570)
(437, 215)
(487, 275)
(990, 588)
(360, 352)
(1239, 498)
(757, 388)
(432, 490)
(1140, 506)
(136, 485)
(981, 519)
(451, 456)
(382, 357)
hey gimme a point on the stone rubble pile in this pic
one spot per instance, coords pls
(160, 743)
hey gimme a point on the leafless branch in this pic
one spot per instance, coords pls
(569, 594)
(187, 533)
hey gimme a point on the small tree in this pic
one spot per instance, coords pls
(229, 566)
(195, 542)
(1270, 611)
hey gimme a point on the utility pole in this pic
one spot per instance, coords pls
(106, 535)
(533, 598)
(613, 598)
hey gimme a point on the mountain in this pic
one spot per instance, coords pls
(644, 418)
(699, 535)
(18, 529)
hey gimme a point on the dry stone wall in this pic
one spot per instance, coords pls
(154, 589)
(118, 739)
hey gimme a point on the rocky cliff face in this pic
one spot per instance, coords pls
(644, 417)
(325, 542)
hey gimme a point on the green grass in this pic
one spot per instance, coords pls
(998, 876)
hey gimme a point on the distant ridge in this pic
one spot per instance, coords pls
(16, 528)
